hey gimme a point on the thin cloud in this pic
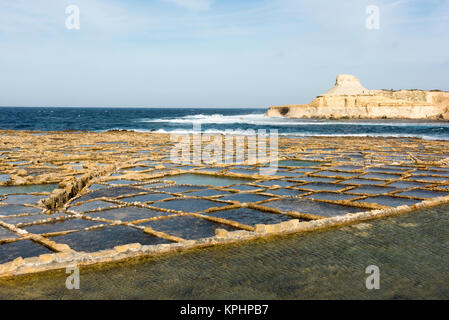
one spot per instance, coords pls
(397, 3)
(196, 5)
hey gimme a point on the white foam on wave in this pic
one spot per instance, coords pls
(213, 119)
(261, 119)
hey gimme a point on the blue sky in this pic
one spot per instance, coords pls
(215, 53)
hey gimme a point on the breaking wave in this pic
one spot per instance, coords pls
(261, 119)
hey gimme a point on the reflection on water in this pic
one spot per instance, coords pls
(28, 188)
(411, 252)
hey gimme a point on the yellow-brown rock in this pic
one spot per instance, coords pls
(348, 99)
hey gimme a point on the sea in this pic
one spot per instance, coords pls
(209, 120)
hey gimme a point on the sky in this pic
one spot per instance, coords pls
(215, 53)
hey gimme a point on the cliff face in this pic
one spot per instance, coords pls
(348, 99)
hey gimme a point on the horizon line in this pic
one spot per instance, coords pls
(134, 107)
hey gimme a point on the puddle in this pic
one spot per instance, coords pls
(362, 181)
(37, 188)
(372, 190)
(304, 170)
(25, 219)
(137, 169)
(17, 162)
(430, 172)
(181, 188)
(211, 169)
(244, 187)
(4, 177)
(21, 248)
(439, 168)
(197, 179)
(121, 182)
(244, 171)
(23, 199)
(188, 205)
(149, 163)
(94, 205)
(187, 227)
(157, 185)
(298, 163)
(312, 207)
(404, 184)
(336, 174)
(209, 193)
(242, 167)
(147, 197)
(380, 176)
(97, 186)
(429, 178)
(66, 225)
(245, 197)
(390, 201)
(290, 174)
(160, 171)
(317, 179)
(250, 217)
(128, 214)
(348, 168)
(6, 234)
(386, 170)
(188, 167)
(13, 209)
(322, 186)
(106, 238)
(330, 196)
(108, 193)
(287, 192)
(280, 183)
(422, 193)
(117, 174)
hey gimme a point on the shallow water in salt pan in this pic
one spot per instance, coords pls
(313, 207)
(197, 179)
(28, 188)
(106, 238)
(410, 250)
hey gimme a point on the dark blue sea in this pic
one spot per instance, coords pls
(211, 120)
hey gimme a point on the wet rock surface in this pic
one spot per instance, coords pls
(97, 197)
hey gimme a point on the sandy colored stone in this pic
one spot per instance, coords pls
(63, 255)
(61, 247)
(260, 228)
(222, 233)
(17, 262)
(348, 99)
(128, 247)
(47, 258)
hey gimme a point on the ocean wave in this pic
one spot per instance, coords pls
(261, 119)
(212, 119)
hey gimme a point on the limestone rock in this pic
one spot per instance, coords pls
(346, 84)
(348, 99)
(222, 233)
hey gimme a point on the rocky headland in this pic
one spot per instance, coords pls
(348, 99)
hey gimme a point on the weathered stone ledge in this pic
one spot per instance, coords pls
(71, 187)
